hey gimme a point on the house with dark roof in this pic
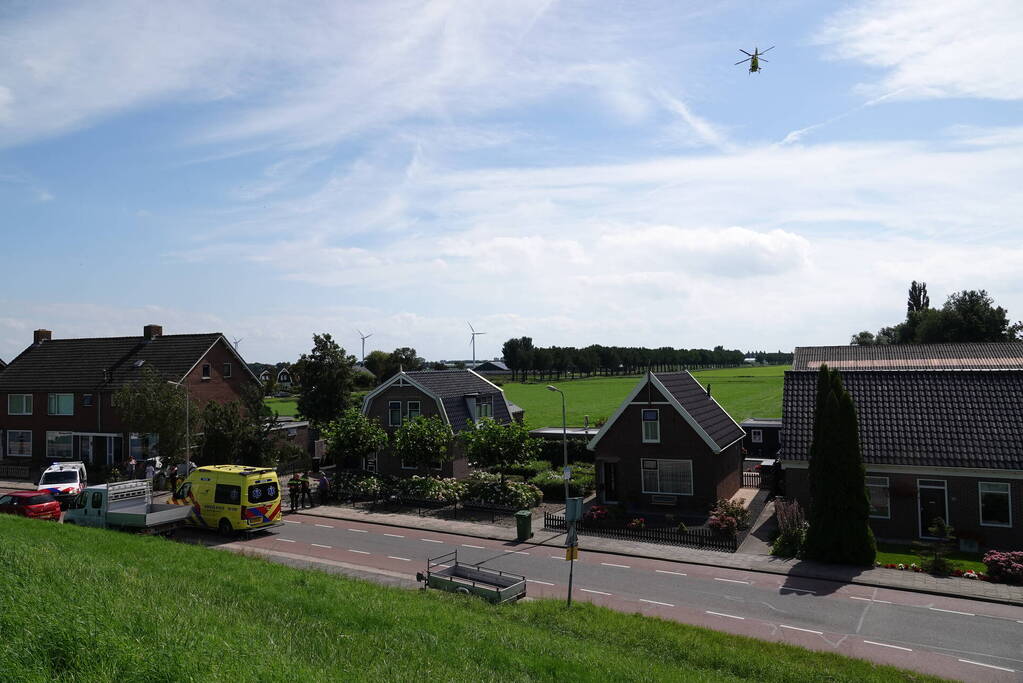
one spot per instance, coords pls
(941, 435)
(669, 444)
(57, 395)
(493, 367)
(763, 437)
(461, 398)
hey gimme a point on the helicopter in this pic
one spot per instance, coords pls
(754, 59)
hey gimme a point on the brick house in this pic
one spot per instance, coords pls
(941, 435)
(57, 395)
(458, 397)
(669, 444)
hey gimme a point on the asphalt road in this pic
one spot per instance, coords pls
(951, 637)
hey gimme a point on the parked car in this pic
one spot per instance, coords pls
(64, 481)
(34, 504)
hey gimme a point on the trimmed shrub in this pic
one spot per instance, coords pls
(434, 489)
(528, 469)
(348, 485)
(1005, 566)
(728, 517)
(582, 483)
(514, 494)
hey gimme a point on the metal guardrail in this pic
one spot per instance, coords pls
(698, 537)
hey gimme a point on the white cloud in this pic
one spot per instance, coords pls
(927, 49)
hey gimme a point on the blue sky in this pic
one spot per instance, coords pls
(579, 172)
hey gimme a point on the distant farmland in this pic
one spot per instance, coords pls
(743, 392)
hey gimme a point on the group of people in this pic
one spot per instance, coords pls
(300, 488)
(175, 473)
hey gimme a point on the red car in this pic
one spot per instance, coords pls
(35, 504)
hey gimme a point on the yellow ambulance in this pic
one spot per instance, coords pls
(231, 498)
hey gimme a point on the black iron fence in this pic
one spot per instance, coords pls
(697, 537)
(14, 471)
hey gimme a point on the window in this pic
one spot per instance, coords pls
(19, 404)
(756, 435)
(668, 476)
(651, 425)
(86, 399)
(880, 497)
(19, 443)
(414, 410)
(142, 446)
(226, 494)
(206, 370)
(408, 465)
(227, 369)
(58, 445)
(263, 493)
(995, 505)
(484, 407)
(371, 463)
(97, 500)
(394, 414)
(61, 404)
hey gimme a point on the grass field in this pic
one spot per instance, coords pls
(92, 605)
(285, 407)
(894, 553)
(743, 392)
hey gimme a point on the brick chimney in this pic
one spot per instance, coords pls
(151, 332)
(39, 336)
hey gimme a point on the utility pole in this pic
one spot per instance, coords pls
(573, 506)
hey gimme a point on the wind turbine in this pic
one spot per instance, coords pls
(472, 340)
(363, 337)
(237, 342)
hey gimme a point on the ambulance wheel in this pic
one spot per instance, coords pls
(225, 528)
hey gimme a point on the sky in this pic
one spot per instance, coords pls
(577, 172)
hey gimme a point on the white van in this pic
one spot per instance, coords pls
(64, 480)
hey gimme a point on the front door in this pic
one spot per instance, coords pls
(933, 503)
(610, 482)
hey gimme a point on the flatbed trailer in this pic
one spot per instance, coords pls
(126, 505)
(448, 574)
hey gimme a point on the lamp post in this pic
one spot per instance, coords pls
(188, 432)
(570, 537)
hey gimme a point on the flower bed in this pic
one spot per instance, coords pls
(512, 494)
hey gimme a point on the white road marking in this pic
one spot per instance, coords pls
(654, 602)
(853, 597)
(542, 583)
(478, 547)
(285, 540)
(359, 531)
(520, 552)
(430, 540)
(361, 552)
(587, 590)
(325, 526)
(557, 557)
(804, 630)
(665, 571)
(952, 611)
(719, 614)
(319, 546)
(394, 535)
(611, 564)
(990, 666)
(732, 580)
(289, 521)
(894, 647)
(394, 557)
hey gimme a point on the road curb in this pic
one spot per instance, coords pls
(619, 553)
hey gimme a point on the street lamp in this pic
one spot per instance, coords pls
(564, 439)
(188, 432)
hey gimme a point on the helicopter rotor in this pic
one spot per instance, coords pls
(770, 48)
(743, 61)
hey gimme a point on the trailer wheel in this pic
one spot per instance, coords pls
(462, 590)
(225, 528)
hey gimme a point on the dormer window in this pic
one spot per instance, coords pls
(651, 425)
(484, 407)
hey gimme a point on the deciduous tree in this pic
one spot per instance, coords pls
(326, 376)
(499, 446)
(152, 405)
(424, 441)
(354, 436)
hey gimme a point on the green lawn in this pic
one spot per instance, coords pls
(285, 407)
(893, 553)
(92, 605)
(743, 392)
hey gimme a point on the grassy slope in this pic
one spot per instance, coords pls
(87, 604)
(743, 392)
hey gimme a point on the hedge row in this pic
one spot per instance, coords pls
(480, 488)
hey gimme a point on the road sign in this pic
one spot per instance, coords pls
(573, 509)
(567, 473)
(572, 553)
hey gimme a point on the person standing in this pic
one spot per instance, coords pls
(294, 490)
(323, 486)
(307, 490)
(174, 477)
(150, 471)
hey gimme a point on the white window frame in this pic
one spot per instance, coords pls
(643, 466)
(71, 445)
(50, 398)
(390, 413)
(227, 369)
(980, 502)
(887, 488)
(418, 409)
(644, 422)
(206, 372)
(19, 431)
(23, 400)
(756, 435)
(408, 467)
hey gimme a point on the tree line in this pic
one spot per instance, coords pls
(966, 316)
(554, 362)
